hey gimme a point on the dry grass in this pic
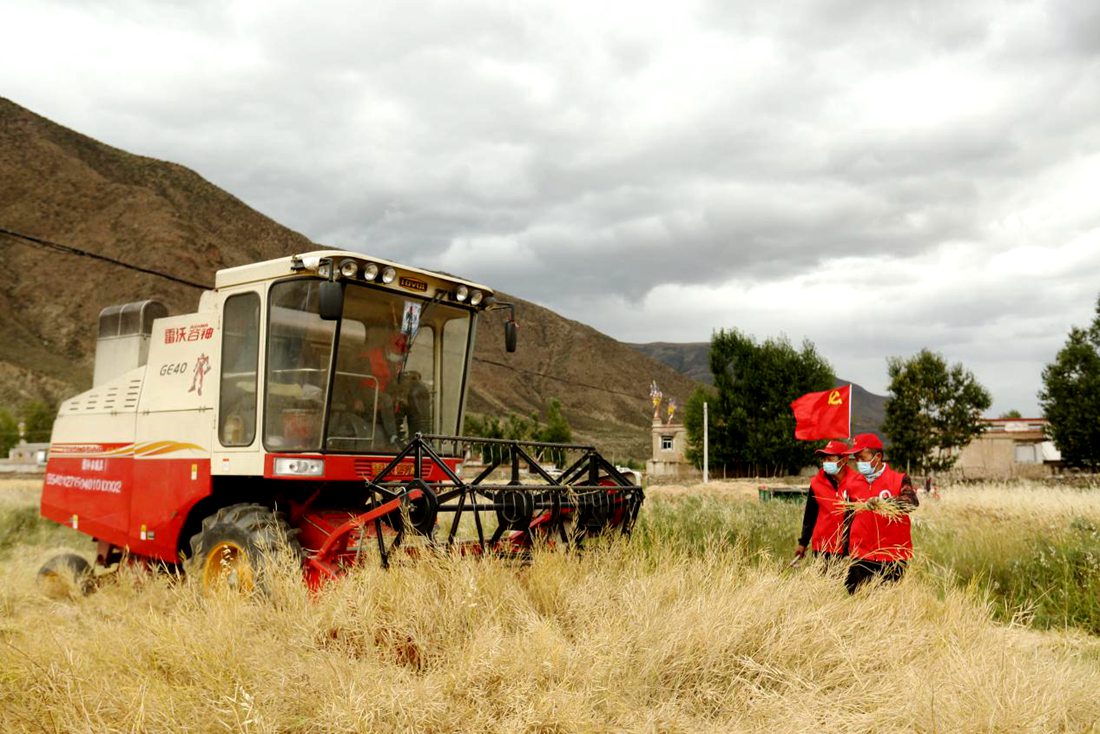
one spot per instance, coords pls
(640, 637)
(1029, 501)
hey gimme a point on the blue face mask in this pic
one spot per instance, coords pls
(864, 468)
(831, 467)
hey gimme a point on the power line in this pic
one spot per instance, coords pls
(70, 250)
(558, 379)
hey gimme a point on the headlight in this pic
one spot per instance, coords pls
(370, 271)
(461, 292)
(288, 467)
(388, 275)
(475, 297)
(349, 268)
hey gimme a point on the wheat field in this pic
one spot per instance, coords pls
(691, 626)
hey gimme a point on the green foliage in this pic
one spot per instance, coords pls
(1070, 397)
(9, 432)
(1046, 574)
(512, 428)
(518, 428)
(696, 525)
(556, 430)
(37, 418)
(933, 411)
(751, 424)
(693, 422)
(1011, 414)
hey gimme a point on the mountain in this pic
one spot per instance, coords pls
(59, 185)
(693, 360)
(868, 409)
(688, 358)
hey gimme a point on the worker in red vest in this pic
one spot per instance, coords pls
(823, 521)
(400, 394)
(879, 540)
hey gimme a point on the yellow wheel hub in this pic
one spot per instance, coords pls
(227, 566)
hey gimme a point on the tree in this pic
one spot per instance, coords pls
(518, 428)
(556, 430)
(933, 410)
(751, 424)
(1070, 397)
(9, 432)
(1011, 414)
(693, 422)
(37, 418)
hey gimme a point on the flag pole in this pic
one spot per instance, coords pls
(851, 398)
(706, 478)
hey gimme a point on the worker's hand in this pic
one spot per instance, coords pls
(800, 551)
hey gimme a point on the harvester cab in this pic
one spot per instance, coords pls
(314, 403)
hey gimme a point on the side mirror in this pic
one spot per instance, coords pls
(510, 335)
(331, 300)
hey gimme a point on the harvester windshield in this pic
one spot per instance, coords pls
(392, 366)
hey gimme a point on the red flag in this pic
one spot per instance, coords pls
(825, 414)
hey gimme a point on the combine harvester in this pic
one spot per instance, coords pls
(312, 403)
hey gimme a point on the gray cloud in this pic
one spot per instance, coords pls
(915, 170)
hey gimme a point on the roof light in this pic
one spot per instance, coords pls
(475, 297)
(370, 271)
(461, 292)
(349, 268)
(388, 274)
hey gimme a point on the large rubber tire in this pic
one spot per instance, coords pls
(66, 575)
(237, 547)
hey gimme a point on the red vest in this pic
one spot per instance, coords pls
(828, 535)
(875, 537)
(379, 367)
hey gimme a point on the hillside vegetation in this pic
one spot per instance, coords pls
(692, 626)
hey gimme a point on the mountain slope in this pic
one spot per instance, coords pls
(59, 185)
(688, 358)
(693, 360)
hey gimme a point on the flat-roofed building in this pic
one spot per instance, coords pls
(1010, 448)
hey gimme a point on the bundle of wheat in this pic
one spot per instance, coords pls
(890, 510)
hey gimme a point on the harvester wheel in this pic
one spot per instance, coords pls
(66, 575)
(237, 545)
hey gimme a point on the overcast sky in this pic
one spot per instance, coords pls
(876, 177)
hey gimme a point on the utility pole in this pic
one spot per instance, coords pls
(705, 443)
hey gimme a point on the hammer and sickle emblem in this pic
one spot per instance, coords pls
(834, 398)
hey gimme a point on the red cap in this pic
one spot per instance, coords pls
(866, 441)
(834, 448)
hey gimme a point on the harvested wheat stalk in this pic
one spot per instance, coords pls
(888, 509)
